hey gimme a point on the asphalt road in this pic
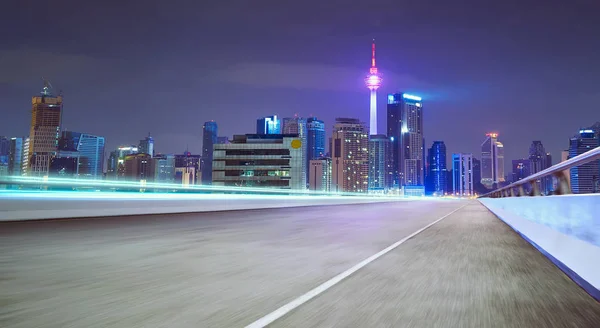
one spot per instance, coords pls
(230, 269)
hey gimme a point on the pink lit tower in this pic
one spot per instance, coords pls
(373, 82)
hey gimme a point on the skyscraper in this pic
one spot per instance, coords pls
(298, 126)
(315, 138)
(4, 155)
(164, 168)
(585, 178)
(15, 156)
(209, 139)
(405, 130)
(116, 161)
(540, 160)
(350, 156)
(462, 168)
(373, 82)
(44, 132)
(90, 150)
(437, 168)
(146, 146)
(492, 161)
(268, 125)
(379, 149)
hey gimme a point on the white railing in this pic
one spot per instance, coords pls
(560, 171)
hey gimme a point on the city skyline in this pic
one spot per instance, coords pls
(465, 98)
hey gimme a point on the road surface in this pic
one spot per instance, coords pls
(230, 269)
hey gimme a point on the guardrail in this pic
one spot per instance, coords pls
(143, 186)
(559, 171)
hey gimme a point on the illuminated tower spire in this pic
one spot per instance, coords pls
(373, 82)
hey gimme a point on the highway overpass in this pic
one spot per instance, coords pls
(311, 262)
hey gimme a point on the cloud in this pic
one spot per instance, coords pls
(307, 76)
(22, 65)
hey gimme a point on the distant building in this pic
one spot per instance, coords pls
(64, 165)
(492, 161)
(298, 126)
(116, 161)
(316, 138)
(478, 187)
(462, 169)
(222, 140)
(90, 149)
(260, 160)
(15, 156)
(349, 156)
(146, 146)
(585, 178)
(187, 167)
(4, 155)
(44, 132)
(138, 167)
(540, 160)
(268, 125)
(437, 169)
(25, 157)
(209, 139)
(379, 149)
(320, 174)
(164, 168)
(521, 169)
(405, 130)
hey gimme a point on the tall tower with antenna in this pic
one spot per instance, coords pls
(373, 82)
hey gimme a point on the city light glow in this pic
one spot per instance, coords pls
(411, 97)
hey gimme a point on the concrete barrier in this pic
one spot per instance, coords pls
(55, 205)
(565, 228)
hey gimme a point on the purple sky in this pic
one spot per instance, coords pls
(526, 69)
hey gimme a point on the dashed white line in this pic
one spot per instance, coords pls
(271, 317)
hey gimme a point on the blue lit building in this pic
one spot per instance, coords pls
(437, 169)
(268, 125)
(585, 178)
(315, 138)
(4, 155)
(146, 146)
(15, 156)
(209, 139)
(164, 168)
(90, 151)
(405, 130)
(379, 150)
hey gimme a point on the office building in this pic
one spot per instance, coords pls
(209, 139)
(4, 155)
(320, 174)
(521, 168)
(146, 146)
(164, 168)
(222, 140)
(15, 156)
(379, 150)
(585, 178)
(116, 161)
(315, 138)
(298, 126)
(44, 132)
(350, 156)
(138, 167)
(462, 169)
(540, 160)
(260, 160)
(268, 125)
(437, 169)
(492, 161)
(405, 130)
(90, 150)
(187, 168)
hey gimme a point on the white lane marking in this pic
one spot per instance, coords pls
(271, 317)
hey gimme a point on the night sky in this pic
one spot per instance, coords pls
(526, 69)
